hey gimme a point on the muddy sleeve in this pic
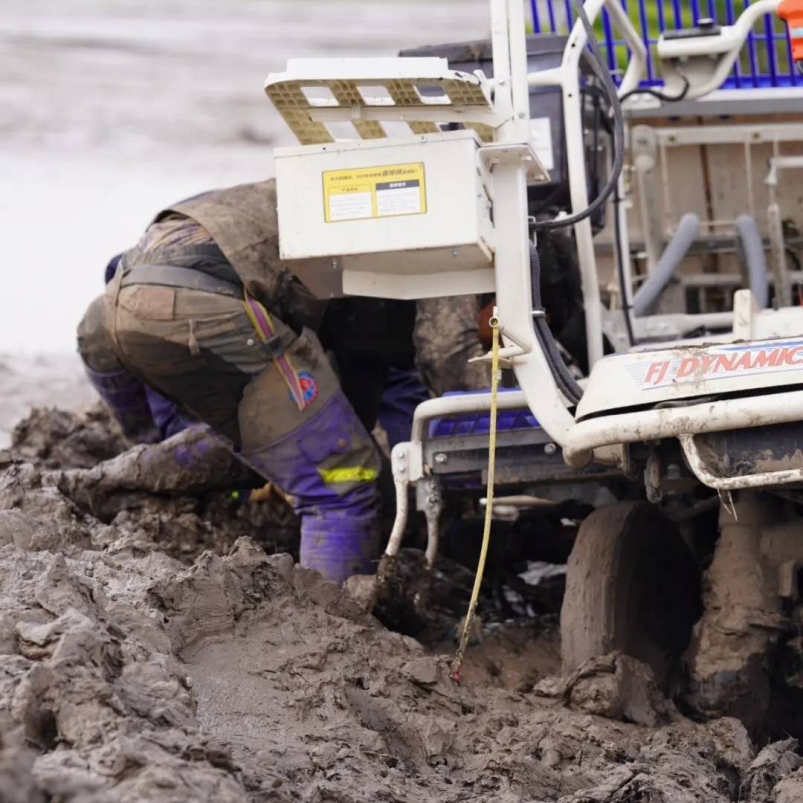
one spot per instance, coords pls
(445, 339)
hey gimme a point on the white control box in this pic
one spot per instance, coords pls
(392, 218)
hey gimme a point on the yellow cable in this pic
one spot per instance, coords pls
(489, 500)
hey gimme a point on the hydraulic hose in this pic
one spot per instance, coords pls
(662, 96)
(566, 383)
(620, 271)
(618, 133)
(753, 249)
(667, 265)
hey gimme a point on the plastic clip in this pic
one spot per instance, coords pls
(273, 347)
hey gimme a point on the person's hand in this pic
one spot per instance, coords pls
(268, 493)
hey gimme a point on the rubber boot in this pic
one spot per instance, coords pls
(329, 466)
(339, 543)
(166, 414)
(125, 396)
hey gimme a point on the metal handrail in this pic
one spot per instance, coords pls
(766, 61)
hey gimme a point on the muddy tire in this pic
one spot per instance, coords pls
(631, 585)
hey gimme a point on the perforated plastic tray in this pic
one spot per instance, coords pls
(348, 82)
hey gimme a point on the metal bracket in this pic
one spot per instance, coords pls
(406, 464)
(430, 500)
(652, 478)
(758, 480)
(514, 154)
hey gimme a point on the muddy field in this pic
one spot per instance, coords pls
(157, 643)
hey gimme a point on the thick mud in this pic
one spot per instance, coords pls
(155, 647)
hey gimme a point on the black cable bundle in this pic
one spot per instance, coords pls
(618, 134)
(566, 383)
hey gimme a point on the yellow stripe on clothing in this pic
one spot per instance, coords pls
(332, 476)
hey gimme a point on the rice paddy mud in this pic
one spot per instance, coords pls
(158, 643)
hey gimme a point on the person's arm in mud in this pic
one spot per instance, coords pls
(446, 338)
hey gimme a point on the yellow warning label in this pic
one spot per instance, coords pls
(370, 192)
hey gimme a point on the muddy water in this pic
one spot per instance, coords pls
(28, 381)
(231, 675)
(110, 111)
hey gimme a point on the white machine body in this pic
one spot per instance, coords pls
(395, 218)
(706, 59)
(625, 381)
(436, 238)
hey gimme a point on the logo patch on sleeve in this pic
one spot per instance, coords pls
(309, 387)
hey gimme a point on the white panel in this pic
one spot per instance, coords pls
(650, 377)
(400, 209)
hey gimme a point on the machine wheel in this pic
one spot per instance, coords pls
(631, 585)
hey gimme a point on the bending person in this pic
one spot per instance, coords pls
(202, 312)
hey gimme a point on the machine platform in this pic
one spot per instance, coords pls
(456, 450)
(420, 92)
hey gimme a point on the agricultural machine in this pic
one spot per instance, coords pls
(667, 162)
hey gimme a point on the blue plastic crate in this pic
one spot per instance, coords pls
(765, 61)
(480, 423)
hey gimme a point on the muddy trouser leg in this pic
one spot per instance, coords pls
(734, 646)
(120, 390)
(403, 392)
(202, 349)
(167, 414)
(362, 381)
(139, 410)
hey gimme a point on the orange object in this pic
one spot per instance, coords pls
(484, 324)
(791, 12)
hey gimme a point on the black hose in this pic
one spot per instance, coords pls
(620, 270)
(557, 195)
(566, 383)
(794, 257)
(618, 134)
(656, 93)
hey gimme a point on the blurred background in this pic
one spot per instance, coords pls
(112, 109)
